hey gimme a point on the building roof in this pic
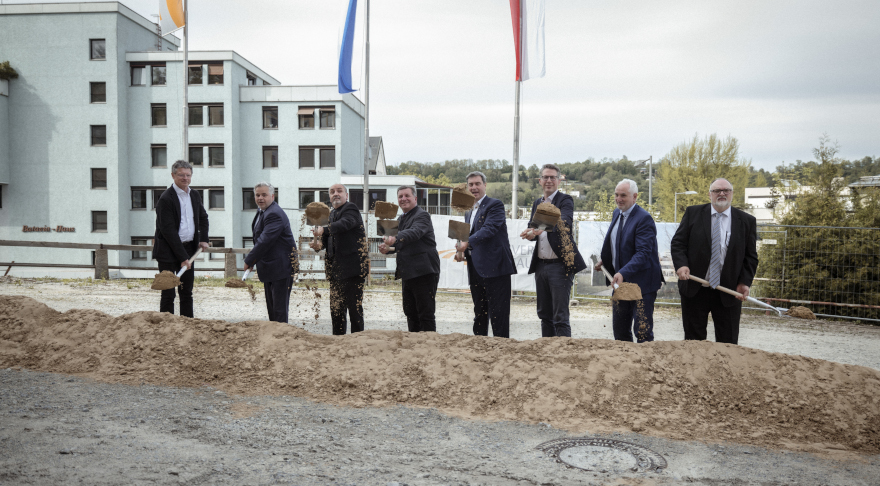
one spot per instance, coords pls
(866, 181)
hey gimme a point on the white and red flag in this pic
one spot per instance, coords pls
(528, 37)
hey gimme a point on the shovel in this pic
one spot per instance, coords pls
(610, 277)
(778, 310)
(543, 221)
(461, 232)
(387, 227)
(386, 210)
(630, 291)
(317, 214)
(165, 283)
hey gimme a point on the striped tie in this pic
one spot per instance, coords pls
(714, 276)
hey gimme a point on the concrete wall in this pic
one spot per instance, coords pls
(4, 134)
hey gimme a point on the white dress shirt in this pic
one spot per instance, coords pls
(545, 251)
(187, 229)
(474, 211)
(725, 231)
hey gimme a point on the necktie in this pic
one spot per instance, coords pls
(259, 224)
(714, 276)
(619, 241)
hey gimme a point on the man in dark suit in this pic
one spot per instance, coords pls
(347, 261)
(489, 260)
(717, 242)
(630, 254)
(181, 228)
(418, 263)
(274, 252)
(556, 258)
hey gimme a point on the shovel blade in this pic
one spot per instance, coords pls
(459, 231)
(387, 227)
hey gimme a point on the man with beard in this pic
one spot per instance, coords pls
(347, 261)
(717, 242)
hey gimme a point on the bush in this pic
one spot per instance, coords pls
(6, 71)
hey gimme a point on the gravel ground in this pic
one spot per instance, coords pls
(61, 429)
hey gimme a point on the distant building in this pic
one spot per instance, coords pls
(767, 203)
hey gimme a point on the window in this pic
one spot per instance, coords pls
(270, 157)
(270, 117)
(197, 155)
(247, 198)
(157, 193)
(195, 116)
(215, 115)
(99, 135)
(139, 198)
(215, 156)
(247, 242)
(217, 243)
(324, 197)
(328, 158)
(215, 73)
(215, 199)
(201, 193)
(138, 76)
(140, 254)
(328, 118)
(251, 78)
(306, 118)
(98, 49)
(158, 75)
(99, 178)
(306, 158)
(98, 92)
(99, 221)
(159, 155)
(357, 197)
(195, 74)
(158, 115)
(306, 196)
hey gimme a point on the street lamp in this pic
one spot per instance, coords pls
(675, 218)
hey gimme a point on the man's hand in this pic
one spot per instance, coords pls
(246, 267)
(459, 257)
(683, 273)
(598, 266)
(316, 245)
(530, 234)
(389, 240)
(743, 289)
(186, 264)
(617, 280)
(203, 245)
(461, 246)
(318, 231)
(383, 249)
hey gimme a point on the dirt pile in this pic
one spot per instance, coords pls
(462, 199)
(237, 283)
(549, 209)
(682, 390)
(800, 312)
(627, 291)
(386, 210)
(317, 211)
(164, 280)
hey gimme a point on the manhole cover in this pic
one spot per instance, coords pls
(603, 455)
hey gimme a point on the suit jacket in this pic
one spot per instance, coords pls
(415, 246)
(488, 244)
(638, 256)
(274, 251)
(566, 206)
(351, 257)
(692, 247)
(167, 247)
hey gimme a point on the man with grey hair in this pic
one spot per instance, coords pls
(347, 261)
(489, 260)
(274, 252)
(630, 254)
(717, 242)
(181, 228)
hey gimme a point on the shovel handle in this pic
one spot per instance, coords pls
(184, 269)
(610, 277)
(247, 273)
(723, 289)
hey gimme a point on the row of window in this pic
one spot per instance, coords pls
(214, 242)
(326, 156)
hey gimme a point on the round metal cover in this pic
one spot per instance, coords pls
(603, 455)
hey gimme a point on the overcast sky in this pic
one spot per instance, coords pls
(630, 78)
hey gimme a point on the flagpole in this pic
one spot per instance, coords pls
(367, 109)
(185, 79)
(514, 210)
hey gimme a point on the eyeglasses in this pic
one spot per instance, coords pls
(548, 178)
(721, 191)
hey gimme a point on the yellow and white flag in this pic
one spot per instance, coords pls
(171, 15)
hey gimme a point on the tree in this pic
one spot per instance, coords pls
(692, 166)
(7, 71)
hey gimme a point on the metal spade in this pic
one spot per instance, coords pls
(387, 227)
(459, 231)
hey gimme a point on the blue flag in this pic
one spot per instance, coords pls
(346, 48)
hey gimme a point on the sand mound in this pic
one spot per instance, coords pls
(237, 283)
(800, 312)
(627, 291)
(164, 280)
(682, 390)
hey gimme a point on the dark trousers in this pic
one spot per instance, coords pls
(623, 312)
(491, 303)
(185, 289)
(278, 298)
(553, 287)
(347, 297)
(695, 316)
(419, 296)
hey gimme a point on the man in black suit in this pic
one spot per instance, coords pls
(489, 260)
(347, 262)
(274, 252)
(418, 263)
(717, 242)
(556, 258)
(181, 228)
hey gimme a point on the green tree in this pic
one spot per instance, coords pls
(692, 166)
(7, 71)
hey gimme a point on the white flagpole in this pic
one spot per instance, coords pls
(514, 211)
(185, 80)
(367, 110)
